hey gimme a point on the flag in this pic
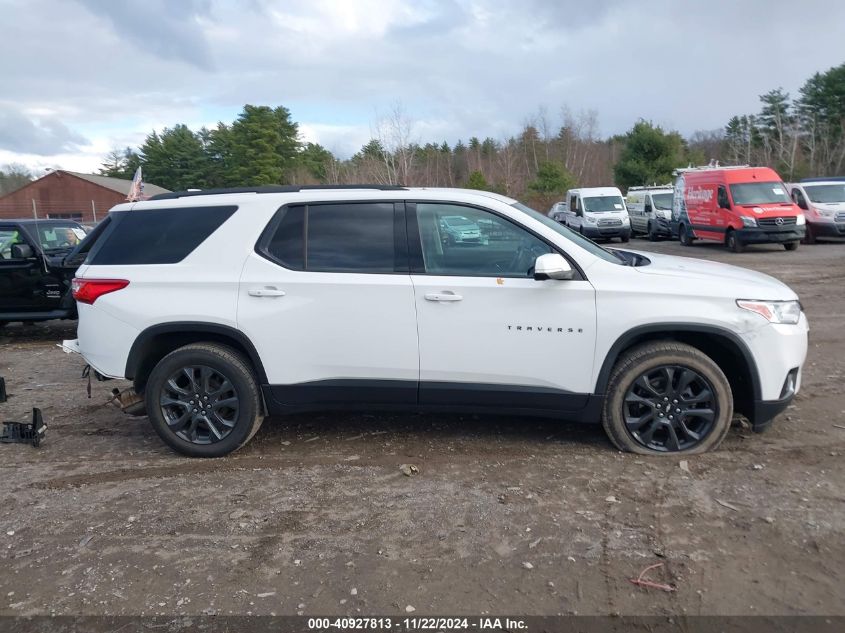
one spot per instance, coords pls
(136, 189)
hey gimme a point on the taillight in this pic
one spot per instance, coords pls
(89, 290)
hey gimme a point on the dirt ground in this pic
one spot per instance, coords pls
(506, 515)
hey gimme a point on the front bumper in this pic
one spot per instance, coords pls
(764, 412)
(662, 226)
(828, 229)
(771, 234)
(590, 230)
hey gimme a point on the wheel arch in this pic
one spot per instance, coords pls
(723, 346)
(154, 343)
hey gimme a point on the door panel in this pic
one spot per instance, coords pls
(333, 335)
(21, 280)
(489, 334)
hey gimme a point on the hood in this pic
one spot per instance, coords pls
(714, 278)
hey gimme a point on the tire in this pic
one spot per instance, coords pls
(791, 246)
(652, 234)
(684, 237)
(625, 238)
(809, 235)
(733, 243)
(652, 360)
(234, 423)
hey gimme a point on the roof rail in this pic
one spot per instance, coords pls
(270, 189)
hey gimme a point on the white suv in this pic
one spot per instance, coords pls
(226, 306)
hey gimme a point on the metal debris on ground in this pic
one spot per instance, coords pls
(128, 401)
(409, 469)
(641, 581)
(25, 432)
(727, 505)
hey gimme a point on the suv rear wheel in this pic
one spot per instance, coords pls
(203, 400)
(667, 397)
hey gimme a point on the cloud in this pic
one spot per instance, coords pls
(43, 136)
(112, 71)
(170, 30)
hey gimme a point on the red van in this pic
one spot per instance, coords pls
(736, 206)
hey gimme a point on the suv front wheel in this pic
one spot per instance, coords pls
(203, 400)
(667, 397)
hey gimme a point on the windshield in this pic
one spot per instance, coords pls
(825, 193)
(57, 237)
(662, 201)
(759, 193)
(603, 204)
(572, 236)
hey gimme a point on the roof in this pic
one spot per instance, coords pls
(39, 221)
(597, 191)
(730, 175)
(828, 180)
(119, 185)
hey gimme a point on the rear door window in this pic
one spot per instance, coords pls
(349, 237)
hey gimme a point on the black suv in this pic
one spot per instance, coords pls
(35, 270)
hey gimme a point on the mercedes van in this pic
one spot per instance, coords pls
(736, 206)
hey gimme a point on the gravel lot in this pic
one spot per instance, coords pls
(505, 515)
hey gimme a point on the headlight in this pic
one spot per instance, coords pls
(589, 219)
(827, 213)
(801, 220)
(746, 221)
(787, 312)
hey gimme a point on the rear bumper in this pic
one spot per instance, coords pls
(771, 234)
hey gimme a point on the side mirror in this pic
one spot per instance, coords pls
(22, 251)
(579, 213)
(552, 266)
(647, 208)
(802, 203)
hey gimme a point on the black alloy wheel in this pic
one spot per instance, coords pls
(670, 408)
(199, 404)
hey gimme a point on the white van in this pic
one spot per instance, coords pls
(823, 202)
(594, 212)
(650, 209)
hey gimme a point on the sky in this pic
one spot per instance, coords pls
(79, 78)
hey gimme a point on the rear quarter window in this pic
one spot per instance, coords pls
(156, 236)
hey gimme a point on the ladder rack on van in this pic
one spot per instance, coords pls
(648, 187)
(683, 170)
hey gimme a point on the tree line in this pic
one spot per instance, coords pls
(551, 152)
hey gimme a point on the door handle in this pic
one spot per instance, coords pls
(266, 291)
(446, 295)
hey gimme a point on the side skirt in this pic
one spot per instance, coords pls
(398, 395)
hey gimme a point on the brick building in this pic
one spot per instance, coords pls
(67, 194)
